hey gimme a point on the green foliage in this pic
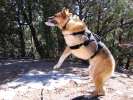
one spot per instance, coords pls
(111, 19)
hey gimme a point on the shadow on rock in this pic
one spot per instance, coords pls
(86, 97)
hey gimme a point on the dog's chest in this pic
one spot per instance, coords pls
(72, 40)
(83, 52)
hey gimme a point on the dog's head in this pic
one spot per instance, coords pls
(66, 21)
(59, 19)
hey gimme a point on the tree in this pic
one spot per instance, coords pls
(23, 32)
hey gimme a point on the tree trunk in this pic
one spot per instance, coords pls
(22, 42)
(37, 43)
(127, 63)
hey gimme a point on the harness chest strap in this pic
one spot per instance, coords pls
(78, 33)
(86, 43)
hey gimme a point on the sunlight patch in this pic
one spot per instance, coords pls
(39, 79)
(7, 95)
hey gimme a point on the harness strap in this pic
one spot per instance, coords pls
(78, 33)
(87, 42)
(97, 51)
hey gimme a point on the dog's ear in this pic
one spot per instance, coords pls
(65, 12)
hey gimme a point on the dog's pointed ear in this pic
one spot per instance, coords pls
(65, 12)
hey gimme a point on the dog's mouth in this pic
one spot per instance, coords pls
(51, 22)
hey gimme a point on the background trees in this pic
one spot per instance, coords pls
(24, 34)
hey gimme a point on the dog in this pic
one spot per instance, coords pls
(82, 44)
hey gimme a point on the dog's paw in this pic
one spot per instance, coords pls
(56, 67)
(98, 93)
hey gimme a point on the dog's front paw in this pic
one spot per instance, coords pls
(56, 67)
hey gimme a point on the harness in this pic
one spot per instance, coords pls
(87, 42)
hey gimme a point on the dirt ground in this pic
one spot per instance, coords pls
(36, 80)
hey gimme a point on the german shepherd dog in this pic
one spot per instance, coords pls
(82, 44)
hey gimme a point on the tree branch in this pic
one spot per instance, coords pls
(117, 25)
(126, 45)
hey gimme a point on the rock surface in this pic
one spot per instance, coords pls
(36, 80)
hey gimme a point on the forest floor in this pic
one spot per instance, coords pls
(36, 80)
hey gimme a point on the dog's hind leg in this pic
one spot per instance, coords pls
(65, 54)
(99, 82)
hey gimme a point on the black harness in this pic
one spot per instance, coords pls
(87, 42)
(78, 33)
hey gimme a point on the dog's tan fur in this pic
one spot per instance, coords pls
(101, 66)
